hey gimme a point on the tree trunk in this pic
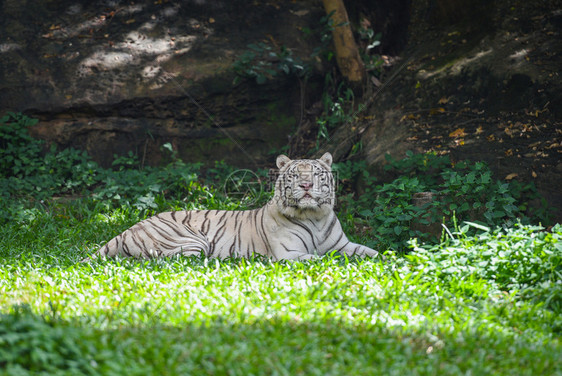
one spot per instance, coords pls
(347, 55)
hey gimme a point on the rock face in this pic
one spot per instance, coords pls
(111, 76)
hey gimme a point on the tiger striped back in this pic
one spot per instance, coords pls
(298, 223)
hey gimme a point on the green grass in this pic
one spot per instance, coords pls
(488, 304)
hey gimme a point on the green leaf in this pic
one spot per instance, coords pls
(366, 212)
(478, 226)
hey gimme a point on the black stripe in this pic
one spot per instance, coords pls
(187, 218)
(332, 224)
(305, 228)
(290, 250)
(163, 233)
(133, 239)
(264, 233)
(156, 242)
(342, 247)
(239, 234)
(126, 250)
(142, 241)
(302, 240)
(336, 243)
(212, 248)
(173, 226)
(253, 248)
(208, 223)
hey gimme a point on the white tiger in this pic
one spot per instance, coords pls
(299, 223)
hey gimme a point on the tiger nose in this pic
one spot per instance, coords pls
(305, 186)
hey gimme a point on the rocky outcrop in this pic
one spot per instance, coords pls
(112, 76)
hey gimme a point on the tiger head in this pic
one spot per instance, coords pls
(305, 187)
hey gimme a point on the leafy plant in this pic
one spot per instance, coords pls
(324, 29)
(18, 150)
(40, 346)
(465, 191)
(127, 161)
(350, 170)
(263, 62)
(25, 168)
(370, 40)
(29, 172)
(339, 108)
(525, 260)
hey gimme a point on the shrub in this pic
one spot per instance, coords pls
(27, 171)
(466, 191)
(523, 259)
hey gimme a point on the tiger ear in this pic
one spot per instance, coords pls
(282, 160)
(327, 158)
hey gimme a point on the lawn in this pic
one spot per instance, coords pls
(484, 304)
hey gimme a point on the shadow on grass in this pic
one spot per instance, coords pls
(34, 343)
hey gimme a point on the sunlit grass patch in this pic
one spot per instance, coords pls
(485, 304)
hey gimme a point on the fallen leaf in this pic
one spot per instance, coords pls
(533, 174)
(511, 176)
(304, 12)
(457, 133)
(376, 81)
(509, 152)
(479, 130)
(132, 20)
(491, 137)
(211, 20)
(410, 117)
(435, 111)
(443, 100)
